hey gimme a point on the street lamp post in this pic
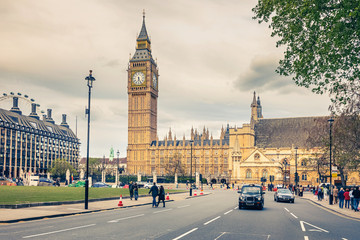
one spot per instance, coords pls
(117, 168)
(191, 144)
(296, 172)
(330, 190)
(90, 79)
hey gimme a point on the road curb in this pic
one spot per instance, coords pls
(332, 210)
(73, 213)
(198, 196)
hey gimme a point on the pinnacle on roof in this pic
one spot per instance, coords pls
(143, 33)
(254, 99)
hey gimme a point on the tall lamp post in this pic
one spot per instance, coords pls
(191, 144)
(330, 130)
(296, 172)
(90, 79)
(117, 168)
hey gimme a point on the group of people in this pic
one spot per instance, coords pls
(154, 191)
(351, 197)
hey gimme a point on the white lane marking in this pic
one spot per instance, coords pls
(63, 230)
(183, 235)
(219, 236)
(184, 206)
(163, 210)
(306, 238)
(116, 220)
(344, 239)
(228, 212)
(293, 215)
(211, 220)
(286, 209)
(235, 208)
(317, 228)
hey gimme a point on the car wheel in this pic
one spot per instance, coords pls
(292, 201)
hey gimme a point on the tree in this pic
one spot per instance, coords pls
(322, 40)
(174, 165)
(59, 168)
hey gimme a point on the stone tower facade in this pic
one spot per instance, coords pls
(142, 102)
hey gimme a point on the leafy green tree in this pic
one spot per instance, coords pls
(59, 168)
(322, 40)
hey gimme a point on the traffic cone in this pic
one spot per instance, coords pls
(201, 193)
(195, 193)
(120, 204)
(167, 196)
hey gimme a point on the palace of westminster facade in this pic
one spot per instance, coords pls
(261, 148)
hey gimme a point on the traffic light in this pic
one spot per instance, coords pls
(263, 179)
(271, 178)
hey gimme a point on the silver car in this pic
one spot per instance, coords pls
(284, 195)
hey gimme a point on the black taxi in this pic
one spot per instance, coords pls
(251, 195)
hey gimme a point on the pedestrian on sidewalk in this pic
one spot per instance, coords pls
(161, 195)
(347, 198)
(341, 198)
(131, 189)
(351, 198)
(319, 194)
(335, 194)
(356, 194)
(136, 191)
(154, 193)
(326, 193)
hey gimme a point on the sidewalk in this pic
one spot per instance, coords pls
(334, 208)
(33, 213)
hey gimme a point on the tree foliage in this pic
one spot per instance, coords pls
(59, 168)
(322, 40)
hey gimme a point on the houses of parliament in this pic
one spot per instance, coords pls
(258, 149)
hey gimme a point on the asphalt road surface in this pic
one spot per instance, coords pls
(215, 216)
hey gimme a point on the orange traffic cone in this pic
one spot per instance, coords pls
(167, 196)
(120, 204)
(201, 193)
(195, 193)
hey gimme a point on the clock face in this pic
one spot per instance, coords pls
(154, 79)
(138, 78)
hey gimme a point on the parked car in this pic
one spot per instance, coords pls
(251, 196)
(7, 181)
(46, 182)
(101, 185)
(284, 195)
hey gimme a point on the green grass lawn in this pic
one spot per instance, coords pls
(27, 194)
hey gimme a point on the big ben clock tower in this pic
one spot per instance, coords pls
(142, 104)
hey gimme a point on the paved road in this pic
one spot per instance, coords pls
(214, 216)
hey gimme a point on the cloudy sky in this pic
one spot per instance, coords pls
(211, 55)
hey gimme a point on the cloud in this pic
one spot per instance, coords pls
(261, 76)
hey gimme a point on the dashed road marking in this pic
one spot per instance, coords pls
(220, 236)
(293, 215)
(63, 230)
(211, 220)
(306, 238)
(286, 209)
(184, 206)
(183, 235)
(120, 219)
(228, 212)
(163, 210)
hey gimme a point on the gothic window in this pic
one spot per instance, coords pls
(304, 176)
(265, 173)
(257, 156)
(248, 173)
(303, 163)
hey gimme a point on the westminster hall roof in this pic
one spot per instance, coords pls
(285, 132)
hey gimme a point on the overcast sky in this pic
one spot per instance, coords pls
(211, 56)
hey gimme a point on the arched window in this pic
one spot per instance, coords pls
(265, 173)
(257, 156)
(304, 177)
(248, 173)
(303, 162)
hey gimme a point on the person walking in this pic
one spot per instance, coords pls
(341, 198)
(347, 198)
(154, 193)
(319, 194)
(136, 191)
(326, 193)
(351, 198)
(161, 195)
(131, 189)
(356, 194)
(335, 194)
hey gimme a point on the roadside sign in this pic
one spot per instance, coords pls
(334, 174)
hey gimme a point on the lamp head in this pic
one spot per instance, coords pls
(90, 79)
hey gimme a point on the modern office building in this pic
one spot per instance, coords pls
(29, 144)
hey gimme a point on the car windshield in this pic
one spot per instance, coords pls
(251, 190)
(284, 191)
